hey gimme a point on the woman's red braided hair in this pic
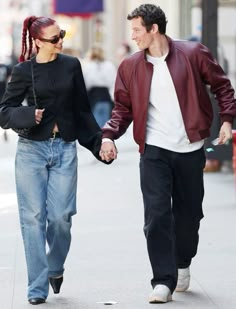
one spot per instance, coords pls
(33, 27)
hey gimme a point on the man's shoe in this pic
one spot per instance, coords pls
(56, 284)
(160, 294)
(36, 301)
(183, 279)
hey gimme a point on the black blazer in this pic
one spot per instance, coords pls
(60, 89)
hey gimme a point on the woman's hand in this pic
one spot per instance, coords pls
(39, 115)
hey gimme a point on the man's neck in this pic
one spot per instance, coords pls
(159, 47)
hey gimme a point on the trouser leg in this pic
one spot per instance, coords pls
(61, 205)
(188, 193)
(156, 185)
(31, 187)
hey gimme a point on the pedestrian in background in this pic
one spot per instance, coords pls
(123, 51)
(162, 89)
(57, 114)
(5, 71)
(99, 75)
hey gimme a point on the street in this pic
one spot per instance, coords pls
(108, 260)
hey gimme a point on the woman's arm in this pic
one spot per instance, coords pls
(12, 113)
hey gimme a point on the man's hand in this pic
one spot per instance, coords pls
(108, 151)
(39, 115)
(225, 133)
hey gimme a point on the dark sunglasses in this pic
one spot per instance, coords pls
(56, 39)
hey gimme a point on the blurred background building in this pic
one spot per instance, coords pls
(104, 22)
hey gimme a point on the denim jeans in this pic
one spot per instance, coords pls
(46, 184)
(102, 112)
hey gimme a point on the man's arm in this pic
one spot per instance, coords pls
(120, 119)
(220, 85)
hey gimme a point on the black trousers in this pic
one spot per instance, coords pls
(172, 188)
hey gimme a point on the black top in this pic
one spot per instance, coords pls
(60, 89)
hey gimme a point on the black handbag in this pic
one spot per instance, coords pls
(25, 131)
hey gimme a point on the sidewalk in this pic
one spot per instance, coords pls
(108, 259)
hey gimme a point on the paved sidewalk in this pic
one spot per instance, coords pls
(108, 259)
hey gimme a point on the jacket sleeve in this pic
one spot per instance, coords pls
(219, 83)
(89, 133)
(12, 113)
(122, 111)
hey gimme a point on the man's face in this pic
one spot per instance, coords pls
(140, 34)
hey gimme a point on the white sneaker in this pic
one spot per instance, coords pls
(160, 294)
(183, 279)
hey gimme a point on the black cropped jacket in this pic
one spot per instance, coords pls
(60, 89)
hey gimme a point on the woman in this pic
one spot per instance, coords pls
(57, 113)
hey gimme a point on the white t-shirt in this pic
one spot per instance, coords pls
(165, 126)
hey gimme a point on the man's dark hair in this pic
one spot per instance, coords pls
(151, 14)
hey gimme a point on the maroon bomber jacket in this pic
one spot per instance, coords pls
(192, 68)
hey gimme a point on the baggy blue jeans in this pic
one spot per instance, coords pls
(46, 184)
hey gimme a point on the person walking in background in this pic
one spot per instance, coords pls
(99, 76)
(57, 114)
(123, 51)
(162, 89)
(5, 71)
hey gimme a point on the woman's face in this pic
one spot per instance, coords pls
(51, 40)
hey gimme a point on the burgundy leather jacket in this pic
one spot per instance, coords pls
(192, 68)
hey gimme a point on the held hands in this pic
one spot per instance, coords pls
(108, 151)
(39, 115)
(225, 134)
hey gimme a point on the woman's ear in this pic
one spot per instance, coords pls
(37, 43)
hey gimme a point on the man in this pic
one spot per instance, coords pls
(162, 89)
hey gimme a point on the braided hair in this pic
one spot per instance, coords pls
(33, 28)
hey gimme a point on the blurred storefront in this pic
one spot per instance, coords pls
(109, 26)
(12, 14)
(226, 32)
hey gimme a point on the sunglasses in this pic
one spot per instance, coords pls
(56, 39)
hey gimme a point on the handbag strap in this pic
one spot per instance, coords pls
(33, 84)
